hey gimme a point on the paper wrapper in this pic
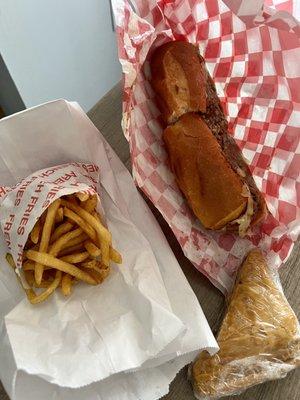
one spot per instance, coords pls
(253, 56)
(24, 203)
(144, 317)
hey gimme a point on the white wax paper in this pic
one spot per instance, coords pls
(143, 315)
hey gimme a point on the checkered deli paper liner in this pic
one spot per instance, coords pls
(253, 54)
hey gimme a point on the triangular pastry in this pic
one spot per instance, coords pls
(259, 338)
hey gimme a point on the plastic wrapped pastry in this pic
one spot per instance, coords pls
(259, 338)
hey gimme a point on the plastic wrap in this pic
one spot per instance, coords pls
(259, 338)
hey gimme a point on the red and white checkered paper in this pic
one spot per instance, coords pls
(253, 55)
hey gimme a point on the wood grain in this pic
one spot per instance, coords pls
(106, 115)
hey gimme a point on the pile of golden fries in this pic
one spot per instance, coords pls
(68, 243)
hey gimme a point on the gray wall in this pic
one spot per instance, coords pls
(10, 99)
(59, 49)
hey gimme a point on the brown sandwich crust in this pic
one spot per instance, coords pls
(212, 188)
(215, 119)
(178, 78)
(183, 85)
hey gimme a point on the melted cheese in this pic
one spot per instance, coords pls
(245, 220)
(241, 172)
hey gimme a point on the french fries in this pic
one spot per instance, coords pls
(115, 256)
(63, 241)
(59, 215)
(89, 219)
(68, 243)
(80, 222)
(77, 240)
(45, 239)
(75, 258)
(103, 237)
(66, 285)
(60, 230)
(10, 261)
(35, 299)
(92, 249)
(99, 274)
(95, 252)
(90, 264)
(29, 292)
(35, 233)
(82, 196)
(72, 249)
(90, 204)
(50, 261)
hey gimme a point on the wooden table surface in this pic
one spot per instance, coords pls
(106, 115)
